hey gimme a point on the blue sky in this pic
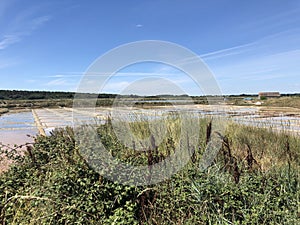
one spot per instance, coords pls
(249, 46)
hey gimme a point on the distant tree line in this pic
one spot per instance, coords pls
(291, 95)
(40, 95)
(255, 95)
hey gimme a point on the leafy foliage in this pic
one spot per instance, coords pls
(53, 184)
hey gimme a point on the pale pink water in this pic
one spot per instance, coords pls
(14, 131)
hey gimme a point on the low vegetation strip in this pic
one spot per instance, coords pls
(253, 180)
(3, 110)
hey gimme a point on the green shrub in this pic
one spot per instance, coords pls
(53, 184)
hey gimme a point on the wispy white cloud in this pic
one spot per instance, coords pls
(227, 51)
(151, 85)
(277, 71)
(22, 24)
(270, 42)
(30, 81)
(159, 79)
(118, 74)
(283, 62)
(145, 86)
(139, 25)
(271, 61)
(40, 21)
(235, 50)
(57, 82)
(8, 40)
(280, 20)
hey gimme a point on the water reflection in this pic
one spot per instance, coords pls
(15, 128)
